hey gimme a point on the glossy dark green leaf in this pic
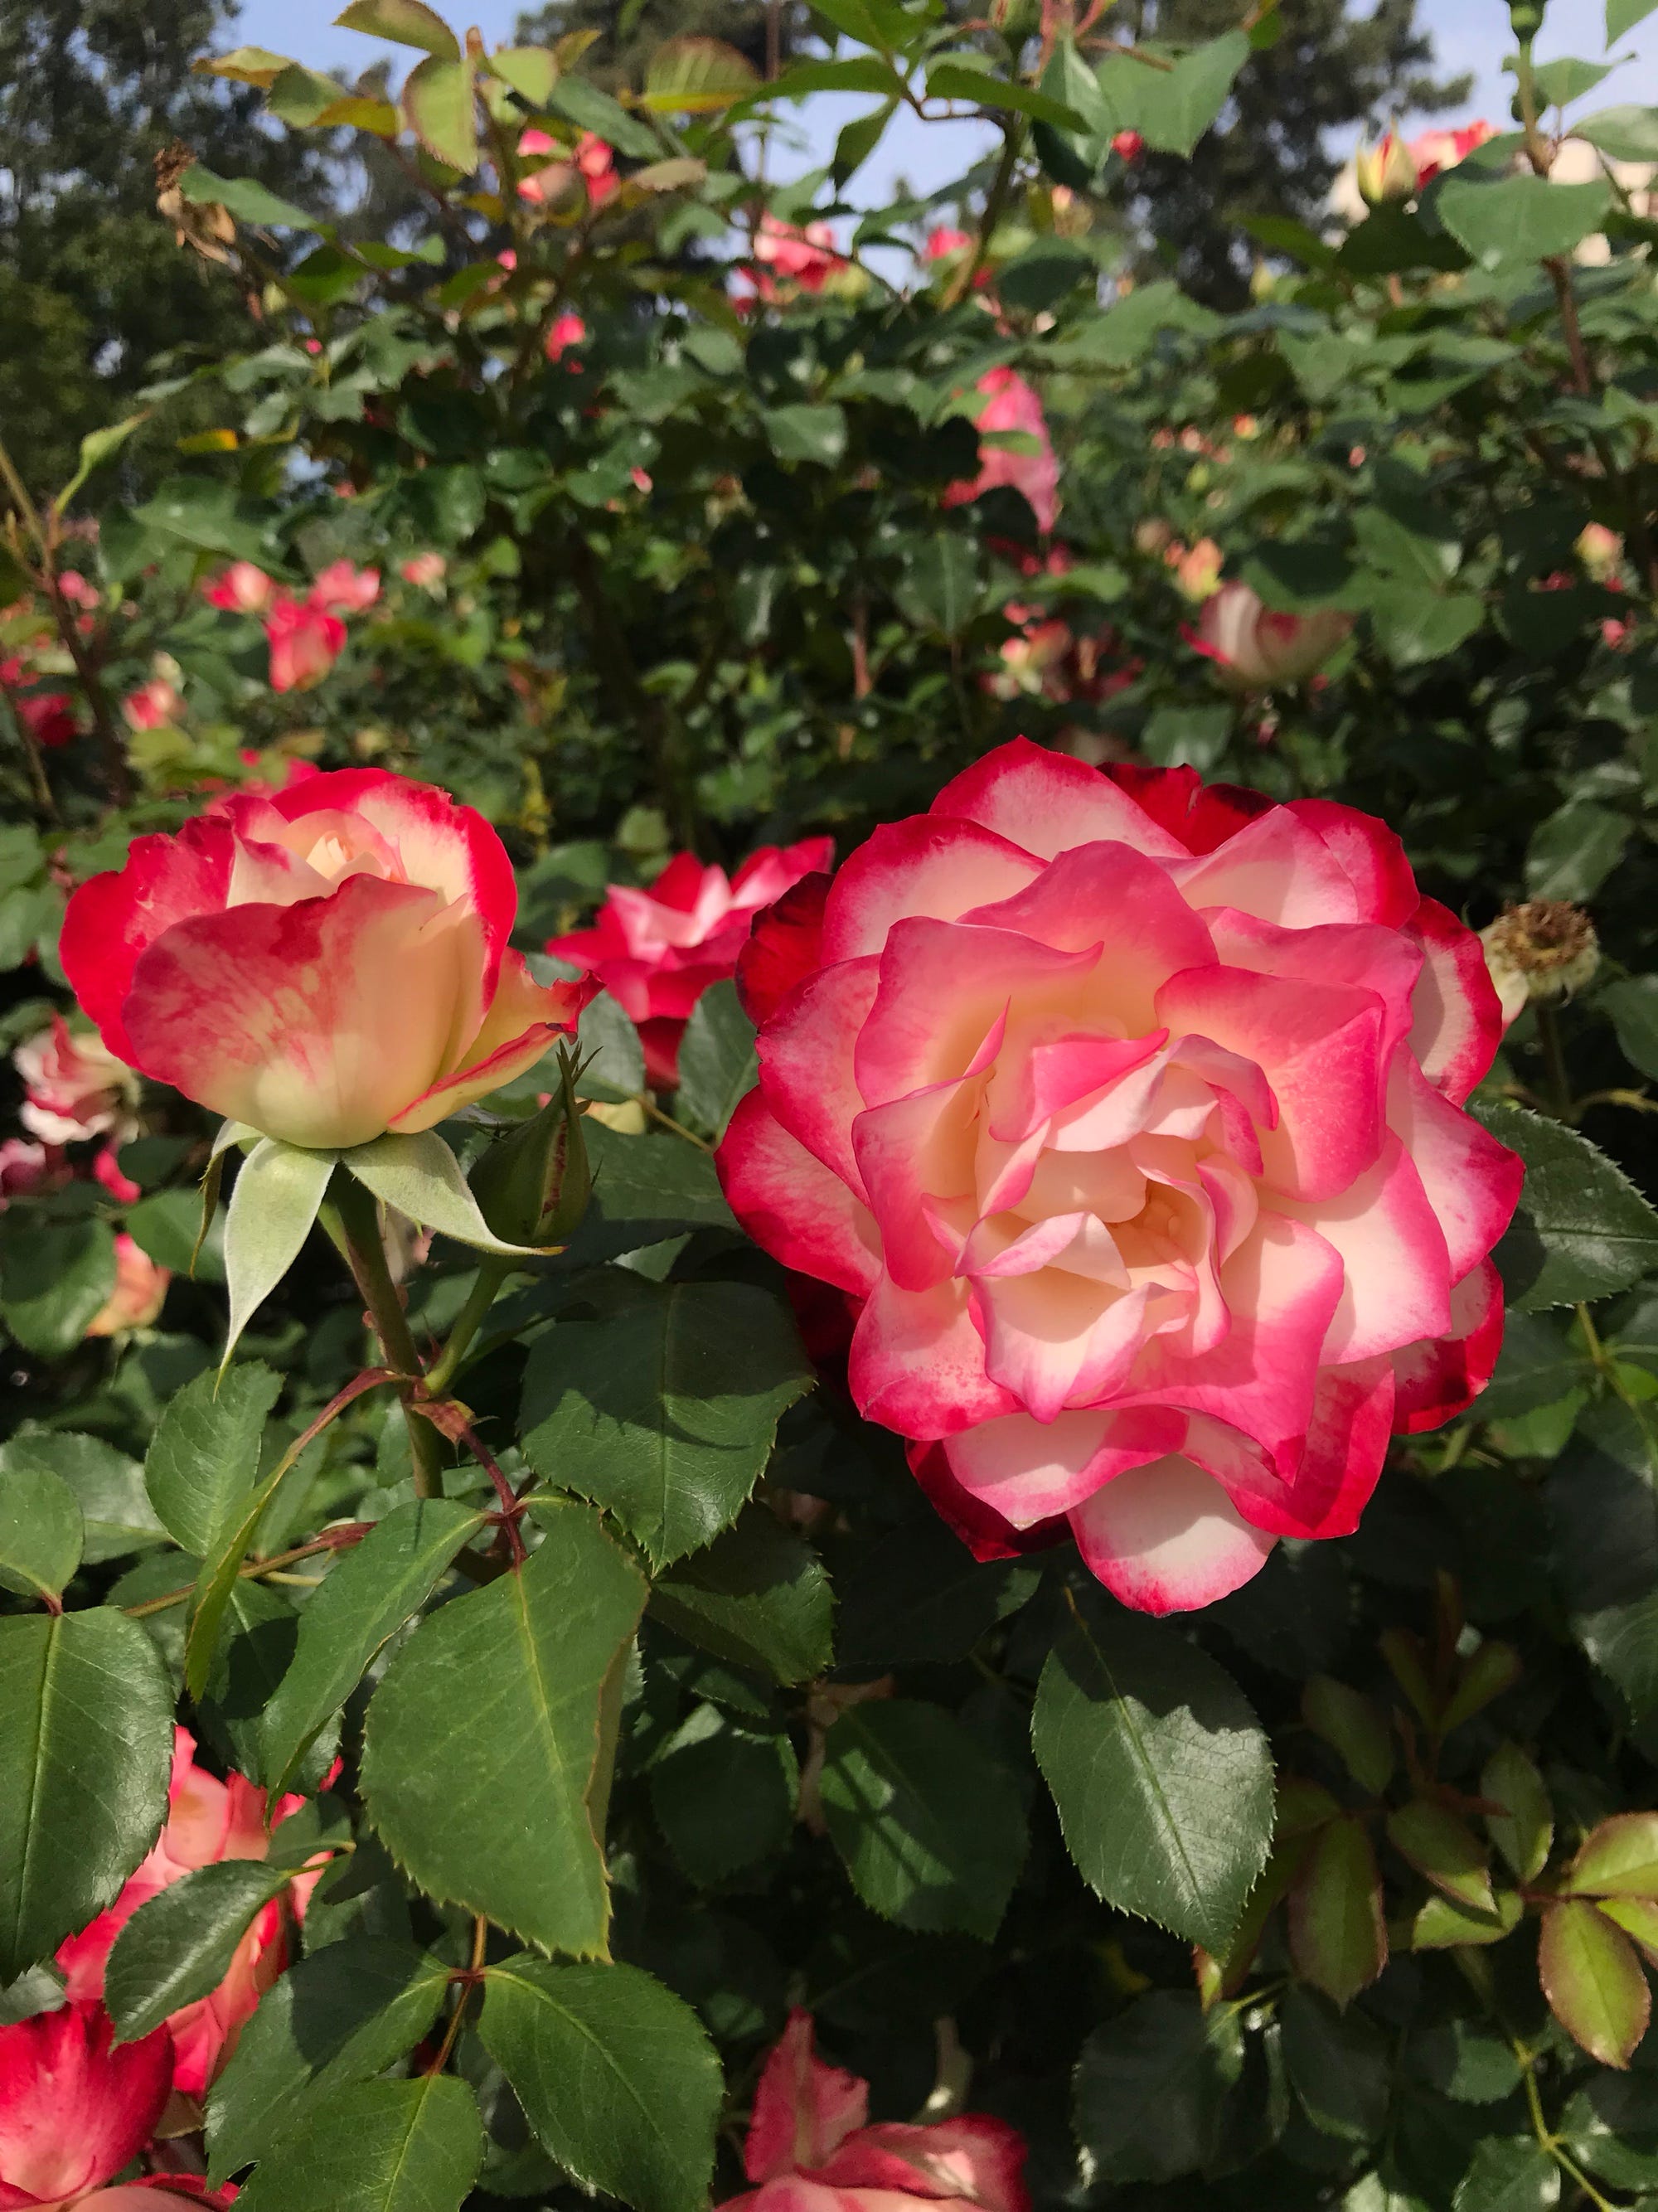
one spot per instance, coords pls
(1160, 1772)
(722, 1797)
(1509, 2173)
(1520, 218)
(116, 1512)
(86, 1748)
(495, 1814)
(341, 2015)
(928, 1824)
(645, 1188)
(757, 1596)
(178, 1945)
(1581, 1229)
(807, 432)
(1172, 108)
(1338, 1937)
(204, 1457)
(717, 1062)
(41, 1531)
(372, 1590)
(1149, 2087)
(615, 2073)
(1338, 2063)
(376, 2147)
(54, 1278)
(663, 1408)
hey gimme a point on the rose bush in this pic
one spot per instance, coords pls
(1131, 1114)
(324, 964)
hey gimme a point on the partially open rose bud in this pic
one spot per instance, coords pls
(1385, 171)
(1545, 949)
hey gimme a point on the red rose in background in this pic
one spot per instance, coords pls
(1131, 1111)
(207, 1820)
(656, 951)
(811, 2147)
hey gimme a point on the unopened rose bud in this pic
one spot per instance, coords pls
(1599, 549)
(1385, 171)
(1128, 145)
(1545, 949)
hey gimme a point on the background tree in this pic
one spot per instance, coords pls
(92, 286)
(1271, 154)
(630, 31)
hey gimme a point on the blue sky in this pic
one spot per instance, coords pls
(1468, 35)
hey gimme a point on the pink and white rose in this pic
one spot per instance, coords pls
(305, 642)
(1256, 647)
(812, 2148)
(75, 2105)
(342, 589)
(324, 963)
(1030, 466)
(74, 1087)
(242, 589)
(1131, 1114)
(140, 1291)
(656, 951)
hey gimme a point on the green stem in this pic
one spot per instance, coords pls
(357, 1216)
(995, 202)
(479, 1299)
(1562, 1105)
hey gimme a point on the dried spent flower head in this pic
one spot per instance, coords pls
(1546, 948)
(203, 225)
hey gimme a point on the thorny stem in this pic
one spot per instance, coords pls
(331, 1539)
(450, 1420)
(467, 1981)
(357, 1216)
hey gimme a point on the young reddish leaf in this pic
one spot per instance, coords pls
(1403, 1653)
(1445, 1850)
(1617, 1859)
(1337, 1936)
(405, 23)
(1302, 1807)
(1354, 1729)
(1441, 1925)
(1593, 1981)
(1523, 1831)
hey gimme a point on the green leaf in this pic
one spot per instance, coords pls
(109, 1487)
(1609, 2127)
(663, 1409)
(1592, 1980)
(440, 106)
(373, 1590)
(1354, 1728)
(204, 1455)
(1603, 1503)
(178, 1945)
(614, 2074)
(243, 66)
(717, 1059)
(722, 1797)
(1337, 1936)
(807, 433)
(1524, 1830)
(1618, 1858)
(54, 1278)
(928, 1824)
(645, 1188)
(422, 1177)
(41, 1531)
(696, 77)
(1144, 1741)
(1415, 625)
(247, 201)
(1445, 1851)
(531, 71)
(86, 1748)
(497, 1818)
(757, 1597)
(1622, 134)
(1441, 1925)
(918, 1596)
(279, 1190)
(857, 140)
(338, 2016)
(1503, 220)
(1509, 2173)
(1623, 15)
(856, 73)
(1338, 2063)
(1149, 2087)
(377, 2147)
(1172, 108)
(939, 588)
(1574, 850)
(405, 23)
(1468, 2060)
(590, 109)
(1582, 1228)
(961, 78)
(1633, 1005)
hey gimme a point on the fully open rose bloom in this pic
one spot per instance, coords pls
(207, 1820)
(140, 1291)
(1256, 647)
(1132, 1114)
(325, 964)
(656, 951)
(811, 2147)
(73, 1087)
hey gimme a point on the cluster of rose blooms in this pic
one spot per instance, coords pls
(48, 717)
(305, 636)
(78, 2110)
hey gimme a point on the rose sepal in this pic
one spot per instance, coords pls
(279, 1191)
(422, 1177)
